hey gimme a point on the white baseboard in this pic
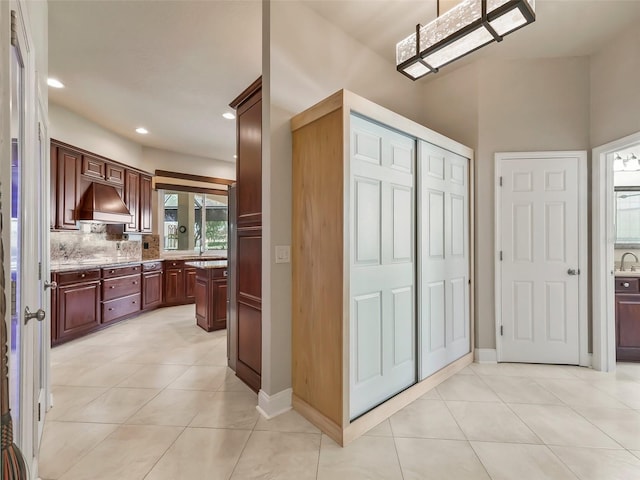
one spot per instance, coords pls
(271, 406)
(485, 355)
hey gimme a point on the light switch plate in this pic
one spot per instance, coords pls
(283, 253)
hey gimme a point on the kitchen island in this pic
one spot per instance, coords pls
(211, 294)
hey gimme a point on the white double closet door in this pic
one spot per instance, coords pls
(384, 345)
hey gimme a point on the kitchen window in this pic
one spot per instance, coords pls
(194, 222)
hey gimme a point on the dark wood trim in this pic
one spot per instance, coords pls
(184, 188)
(246, 94)
(195, 178)
(248, 376)
(96, 155)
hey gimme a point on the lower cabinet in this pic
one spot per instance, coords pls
(152, 285)
(211, 298)
(179, 283)
(76, 309)
(628, 319)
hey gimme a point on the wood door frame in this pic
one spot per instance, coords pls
(583, 332)
(602, 221)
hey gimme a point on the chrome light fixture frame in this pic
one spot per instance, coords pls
(483, 22)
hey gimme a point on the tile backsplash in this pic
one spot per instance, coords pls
(92, 244)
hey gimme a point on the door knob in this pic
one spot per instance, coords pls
(39, 315)
(573, 271)
(51, 285)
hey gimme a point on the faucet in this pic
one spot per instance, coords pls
(623, 257)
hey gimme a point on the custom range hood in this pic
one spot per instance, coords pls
(102, 203)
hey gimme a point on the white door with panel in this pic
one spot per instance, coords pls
(382, 277)
(538, 222)
(443, 199)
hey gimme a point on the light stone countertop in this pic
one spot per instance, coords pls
(208, 264)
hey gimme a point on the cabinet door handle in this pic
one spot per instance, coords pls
(83, 275)
(625, 284)
(112, 286)
(134, 302)
(110, 309)
(112, 271)
(135, 283)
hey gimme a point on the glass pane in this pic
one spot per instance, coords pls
(417, 70)
(17, 145)
(628, 217)
(460, 47)
(508, 22)
(445, 25)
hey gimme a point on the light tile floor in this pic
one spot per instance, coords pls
(151, 398)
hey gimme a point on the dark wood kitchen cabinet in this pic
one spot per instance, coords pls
(627, 319)
(65, 185)
(152, 285)
(248, 271)
(132, 199)
(179, 283)
(75, 305)
(121, 292)
(146, 209)
(211, 298)
(73, 170)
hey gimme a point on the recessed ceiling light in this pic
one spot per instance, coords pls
(142, 130)
(55, 83)
(228, 115)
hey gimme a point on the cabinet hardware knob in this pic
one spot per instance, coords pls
(112, 286)
(110, 308)
(135, 283)
(625, 284)
(112, 271)
(51, 285)
(83, 275)
(134, 302)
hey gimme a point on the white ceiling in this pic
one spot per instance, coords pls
(173, 66)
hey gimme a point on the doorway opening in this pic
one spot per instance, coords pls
(603, 250)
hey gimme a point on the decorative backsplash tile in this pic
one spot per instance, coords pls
(92, 244)
(150, 247)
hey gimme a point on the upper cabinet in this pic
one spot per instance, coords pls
(73, 170)
(65, 166)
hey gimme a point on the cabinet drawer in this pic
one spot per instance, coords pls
(174, 263)
(121, 286)
(152, 266)
(627, 285)
(121, 271)
(78, 276)
(114, 309)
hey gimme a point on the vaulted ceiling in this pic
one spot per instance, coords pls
(173, 66)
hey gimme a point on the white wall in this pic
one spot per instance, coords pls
(155, 159)
(515, 105)
(615, 88)
(75, 130)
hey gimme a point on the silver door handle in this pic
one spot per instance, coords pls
(39, 315)
(573, 271)
(51, 285)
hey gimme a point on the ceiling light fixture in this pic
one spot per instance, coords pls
(228, 115)
(630, 163)
(55, 83)
(465, 28)
(142, 130)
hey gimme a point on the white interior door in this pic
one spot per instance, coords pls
(382, 298)
(444, 258)
(539, 257)
(26, 246)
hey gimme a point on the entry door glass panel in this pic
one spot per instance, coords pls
(382, 326)
(14, 293)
